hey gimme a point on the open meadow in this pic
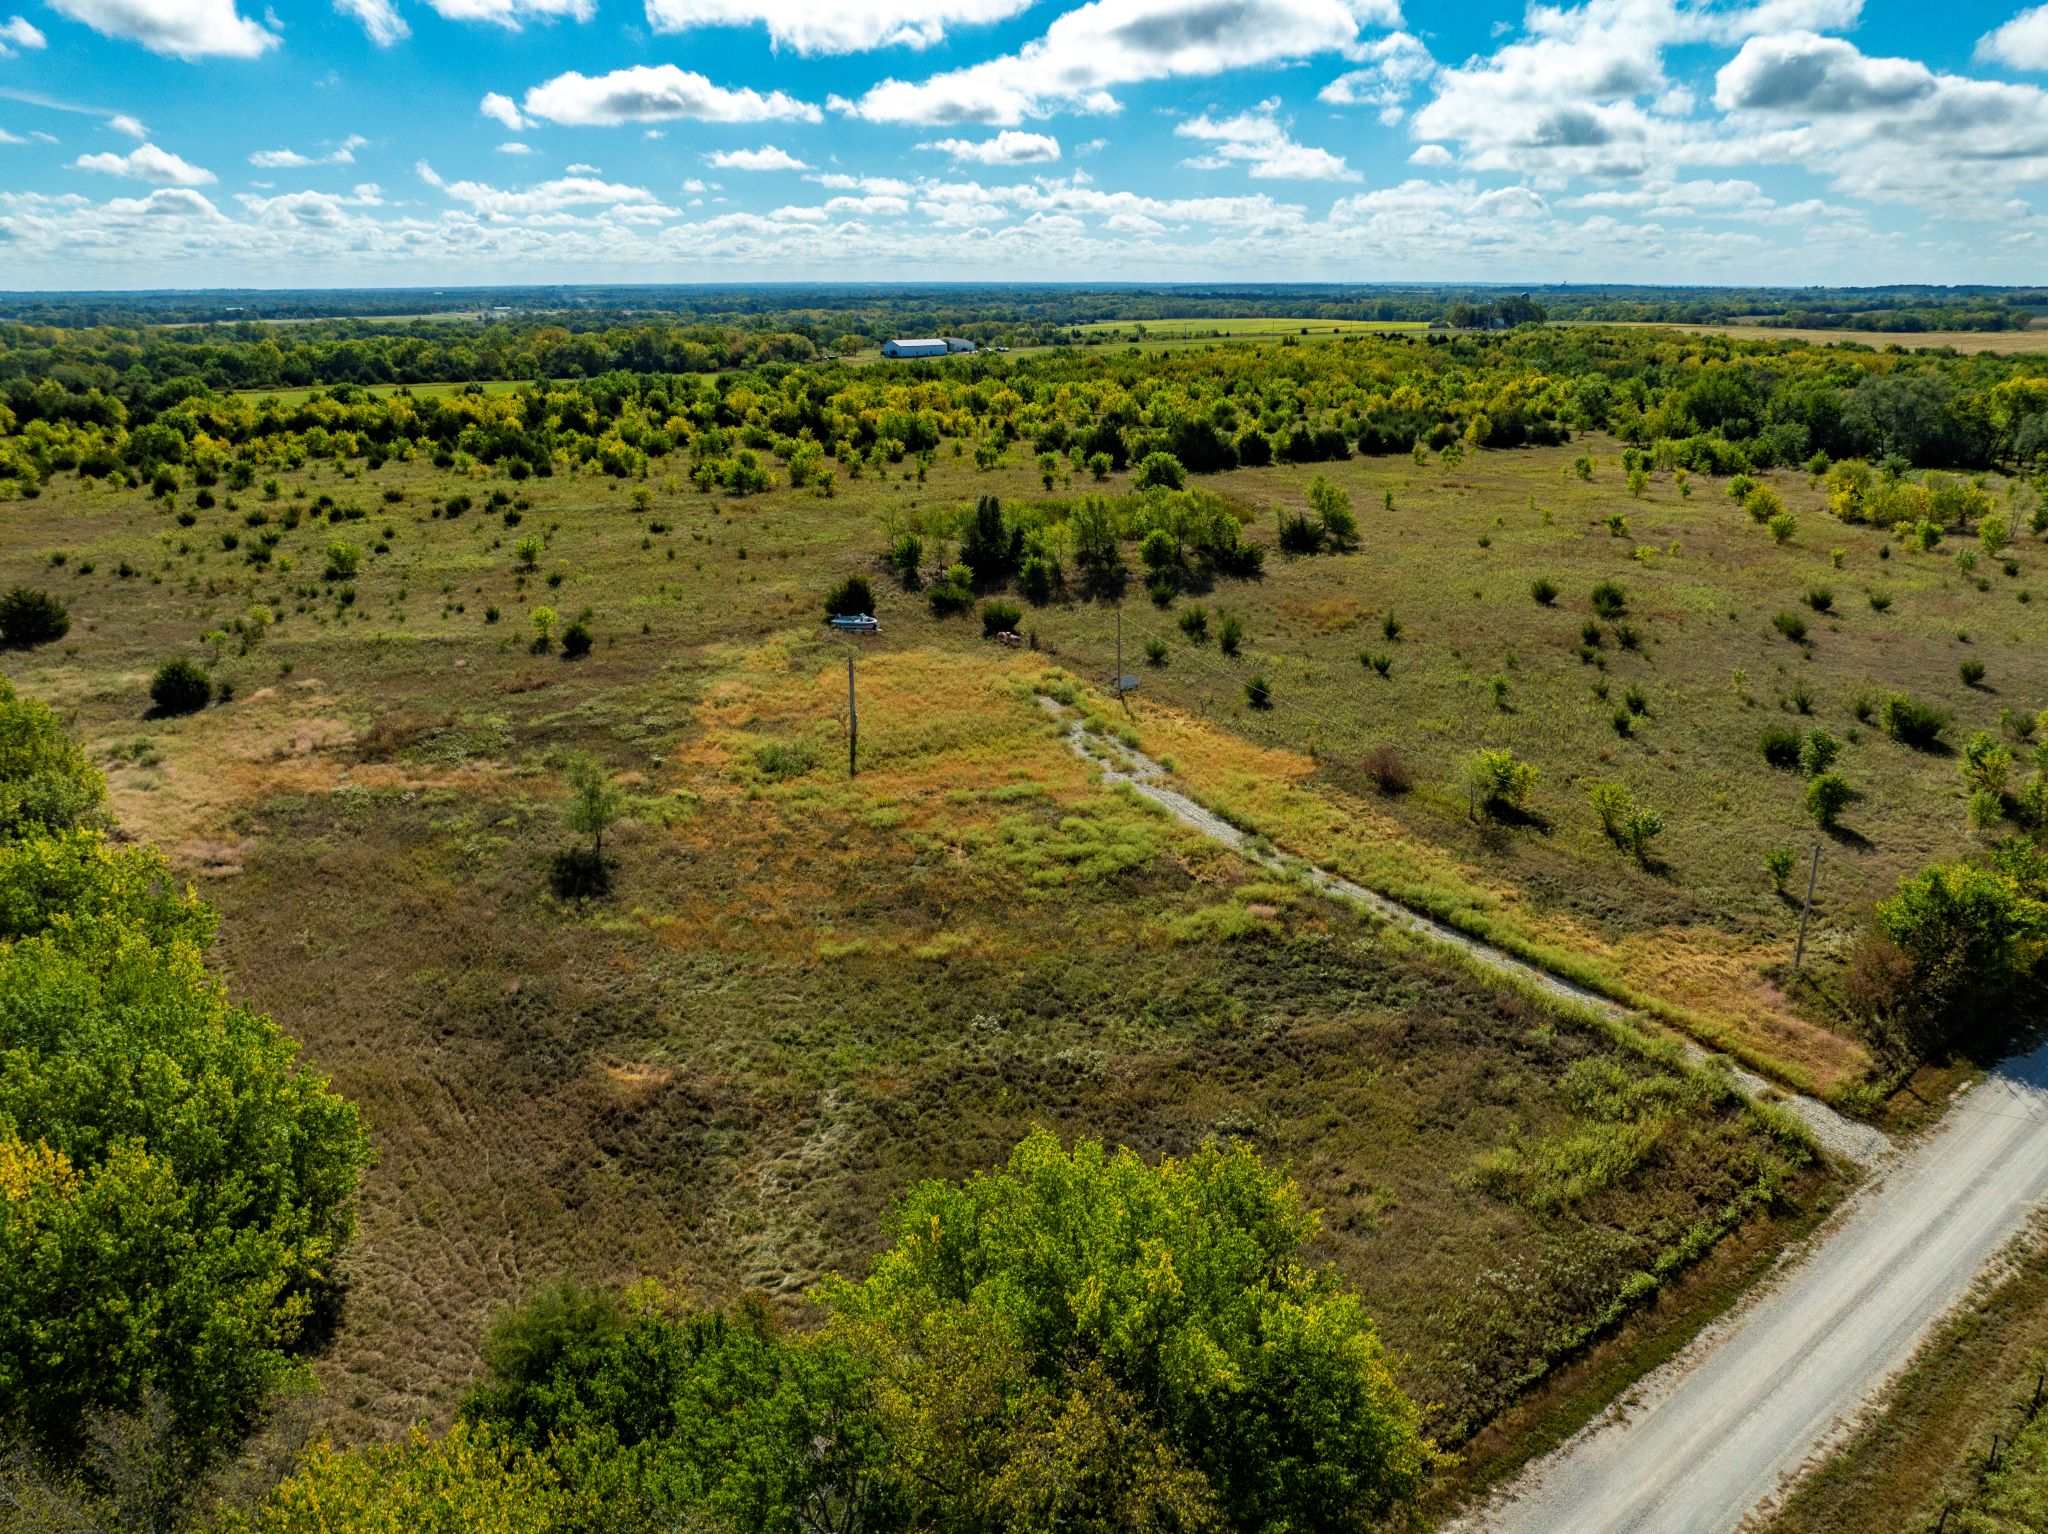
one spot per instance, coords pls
(1447, 616)
(807, 992)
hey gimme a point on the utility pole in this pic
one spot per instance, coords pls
(1812, 875)
(852, 724)
(1119, 655)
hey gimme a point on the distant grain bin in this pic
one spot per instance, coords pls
(930, 346)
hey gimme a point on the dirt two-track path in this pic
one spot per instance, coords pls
(1708, 1443)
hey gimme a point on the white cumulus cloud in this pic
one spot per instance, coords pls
(513, 14)
(146, 162)
(1107, 43)
(656, 93)
(343, 153)
(184, 29)
(1010, 147)
(835, 26)
(503, 109)
(2021, 43)
(767, 157)
(18, 32)
(1257, 141)
(379, 19)
(545, 197)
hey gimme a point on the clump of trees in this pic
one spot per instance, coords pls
(176, 1186)
(1951, 953)
(1078, 1340)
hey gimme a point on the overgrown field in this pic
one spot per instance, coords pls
(1673, 698)
(807, 992)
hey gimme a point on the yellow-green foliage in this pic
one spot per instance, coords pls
(464, 1482)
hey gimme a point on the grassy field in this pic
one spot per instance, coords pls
(1961, 1441)
(1448, 555)
(300, 396)
(806, 992)
(1452, 561)
(2001, 341)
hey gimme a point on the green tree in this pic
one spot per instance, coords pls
(1970, 933)
(989, 544)
(1160, 469)
(1185, 1285)
(47, 783)
(1332, 507)
(1827, 795)
(1496, 783)
(175, 1188)
(181, 687)
(595, 801)
(469, 1481)
(29, 617)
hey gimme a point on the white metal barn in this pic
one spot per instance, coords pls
(930, 346)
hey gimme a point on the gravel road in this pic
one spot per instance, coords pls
(1707, 1443)
(1713, 1438)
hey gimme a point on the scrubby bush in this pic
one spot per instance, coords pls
(1230, 634)
(1826, 797)
(1009, 1363)
(1336, 522)
(343, 561)
(1911, 723)
(1194, 622)
(1971, 670)
(181, 687)
(1952, 946)
(952, 592)
(1779, 863)
(999, 617)
(851, 598)
(576, 641)
(1388, 770)
(1496, 783)
(1817, 753)
(1780, 745)
(906, 558)
(29, 617)
(1630, 825)
(47, 782)
(1155, 652)
(1258, 692)
(1791, 625)
(1544, 591)
(1820, 598)
(1609, 600)
(1986, 763)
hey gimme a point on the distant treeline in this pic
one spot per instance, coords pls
(164, 410)
(1023, 314)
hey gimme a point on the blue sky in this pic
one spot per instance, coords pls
(186, 143)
